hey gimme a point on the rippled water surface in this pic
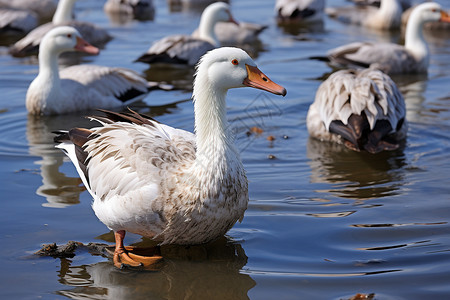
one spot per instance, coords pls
(323, 222)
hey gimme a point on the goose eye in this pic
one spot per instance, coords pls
(235, 62)
(434, 10)
(69, 35)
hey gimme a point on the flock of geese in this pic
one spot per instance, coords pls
(178, 187)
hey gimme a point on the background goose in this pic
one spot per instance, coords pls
(362, 109)
(79, 87)
(16, 22)
(299, 10)
(392, 58)
(187, 49)
(29, 45)
(44, 9)
(137, 9)
(387, 16)
(165, 183)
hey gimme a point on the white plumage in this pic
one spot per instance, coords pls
(299, 10)
(166, 183)
(79, 87)
(392, 58)
(361, 108)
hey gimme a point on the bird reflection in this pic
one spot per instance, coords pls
(210, 271)
(355, 175)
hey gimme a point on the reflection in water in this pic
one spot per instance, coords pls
(210, 271)
(298, 28)
(58, 189)
(355, 175)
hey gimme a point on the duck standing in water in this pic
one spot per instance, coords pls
(167, 184)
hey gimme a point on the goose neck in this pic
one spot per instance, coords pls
(414, 39)
(63, 12)
(206, 28)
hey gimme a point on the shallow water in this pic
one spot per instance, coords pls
(323, 222)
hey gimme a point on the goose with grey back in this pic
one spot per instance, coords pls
(413, 57)
(79, 87)
(137, 9)
(29, 45)
(168, 184)
(362, 109)
(387, 16)
(186, 49)
(292, 11)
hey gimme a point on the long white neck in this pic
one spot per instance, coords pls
(213, 138)
(206, 27)
(414, 39)
(391, 12)
(63, 12)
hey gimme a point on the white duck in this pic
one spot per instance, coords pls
(387, 16)
(29, 45)
(187, 49)
(392, 58)
(165, 183)
(363, 109)
(79, 87)
(289, 11)
(138, 9)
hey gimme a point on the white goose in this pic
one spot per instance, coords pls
(363, 109)
(289, 11)
(138, 9)
(387, 16)
(165, 183)
(392, 58)
(29, 45)
(79, 87)
(187, 49)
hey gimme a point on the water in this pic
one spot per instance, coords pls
(323, 222)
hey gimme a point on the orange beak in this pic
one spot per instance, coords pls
(257, 79)
(444, 17)
(84, 46)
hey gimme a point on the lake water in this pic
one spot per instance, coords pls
(323, 222)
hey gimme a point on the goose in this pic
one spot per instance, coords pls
(289, 11)
(362, 109)
(79, 87)
(413, 57)
(433, 27)
(29, 45)
(404, 3)
(44, 9)
(16, 22)
(186, 49)
(163, 183)
(387, 16)
(138, 9)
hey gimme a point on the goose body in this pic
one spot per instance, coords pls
(413, 57)
(299, 10)
(168, 184)
(13, 21)
(79, 87)
(387, 16)
(187, 49)
(363, 109)
(44, 9)
(29, 45)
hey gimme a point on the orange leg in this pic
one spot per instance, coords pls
(124, 257)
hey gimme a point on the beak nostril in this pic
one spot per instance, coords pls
(265, 79)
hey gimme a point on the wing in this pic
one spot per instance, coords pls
(123, 84)
(128, 152)
(17, 21)
(363, 107)
(29, 44)
(176, 49)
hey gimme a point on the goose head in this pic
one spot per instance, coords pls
(212, 14)
(65, 38)
(428, 12)
(227, 67)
